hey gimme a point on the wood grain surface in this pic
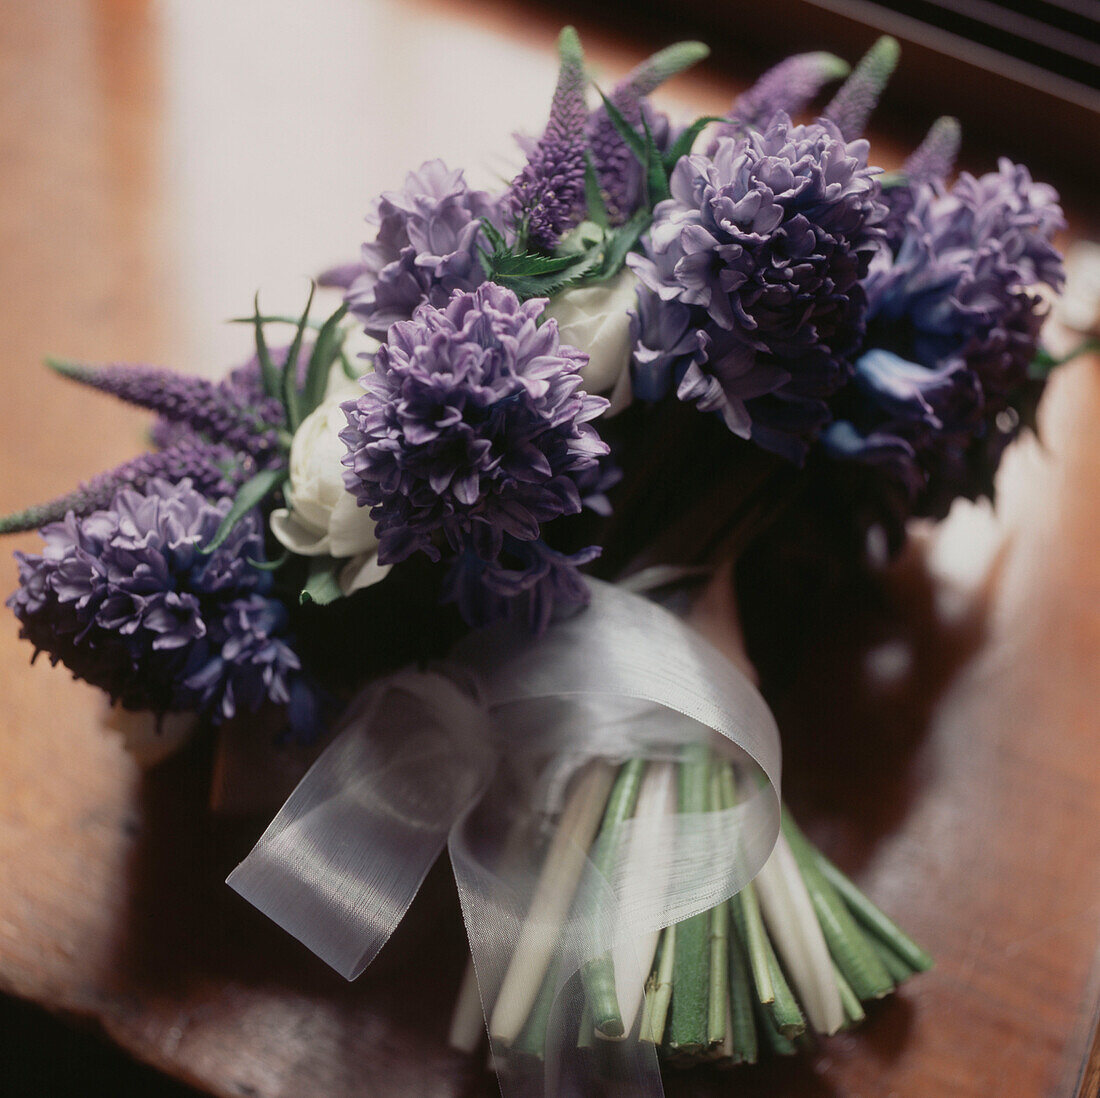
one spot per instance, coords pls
(158, 162)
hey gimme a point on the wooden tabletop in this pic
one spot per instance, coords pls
(158, 163)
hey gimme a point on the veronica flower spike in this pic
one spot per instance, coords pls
(547, 197)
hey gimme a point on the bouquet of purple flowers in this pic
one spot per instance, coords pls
(660, 348)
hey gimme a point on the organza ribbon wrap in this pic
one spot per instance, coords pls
(482, 756)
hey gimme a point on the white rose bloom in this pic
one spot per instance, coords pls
(322, 518)
(596, 319)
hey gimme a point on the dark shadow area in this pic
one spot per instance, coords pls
(56, 1058)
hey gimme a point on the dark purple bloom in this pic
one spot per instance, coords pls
(959, 283)
(472, 430)
(425, 248)
(207, 408)
(528, 582)
(213, 470)
(547, 197)
(789, 87)
(126, 600)
(472, 427)
(617, 168)
(955, 318)
(856, 99)
(764, 243)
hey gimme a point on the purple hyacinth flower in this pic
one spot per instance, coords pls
(472, 433)
(765, 243)
(954, 324)
(931, 162)
(472, 425)
(425, 248)
(547, 197)
(126, 600)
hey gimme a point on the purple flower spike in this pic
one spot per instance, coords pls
(472, 427)
(931, 162)
(753, 270)
(126, 600)
(934, 158)
(853, 103)
(426, 248)
(789, 86)
(617, 168)
(206, 407)
(548, 195)
(212, 470)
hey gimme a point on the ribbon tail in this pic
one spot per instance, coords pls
(342, 861)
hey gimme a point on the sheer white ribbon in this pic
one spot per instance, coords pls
(421, 762)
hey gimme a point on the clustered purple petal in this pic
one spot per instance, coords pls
(213, 469)
(242, 387)
(472, 429)
(425, 248)
(953, 327)
(752, 303)
(528, 583)
(931, 162)
(126, 600)
(547, 197)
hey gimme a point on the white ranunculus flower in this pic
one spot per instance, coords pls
(596, 319)
(322, 518)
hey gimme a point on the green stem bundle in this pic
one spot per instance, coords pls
(718, 990)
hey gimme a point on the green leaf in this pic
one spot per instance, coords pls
(1044, 362)
(269, 374)
(682, 145)
(593, 196)
(619, 243)
(498, 243)
(322, 586)
(553, 282)
(327, 346)
(656, 178)
(252, 492)
(351, 371)
(275, 318)
(290, 367)
(528, 264)
(889, 180)
(635, 142)
(269, 565)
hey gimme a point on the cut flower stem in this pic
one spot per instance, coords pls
(714, 987)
